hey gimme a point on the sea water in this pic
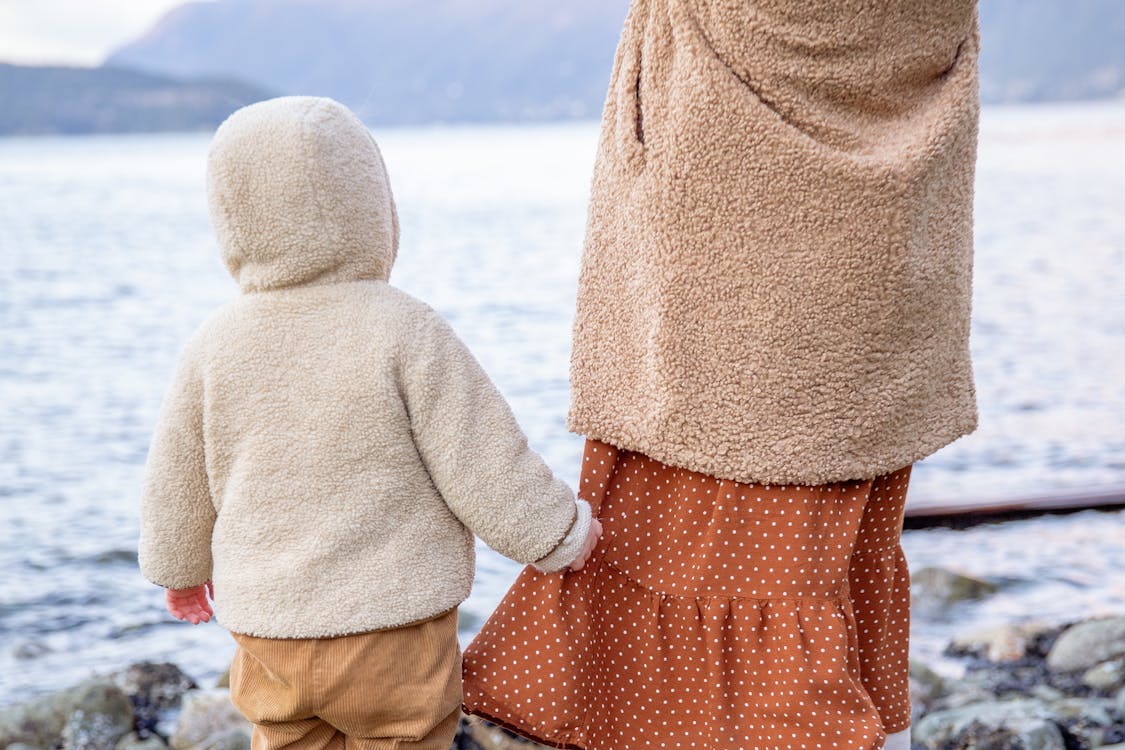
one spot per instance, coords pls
(108, 263)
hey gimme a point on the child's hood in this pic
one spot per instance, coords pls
(299, 195)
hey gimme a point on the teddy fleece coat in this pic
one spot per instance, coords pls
(776, 282)
(329, 446)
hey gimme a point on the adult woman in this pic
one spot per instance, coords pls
(772, 326)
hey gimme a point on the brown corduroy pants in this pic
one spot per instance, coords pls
(396, 689)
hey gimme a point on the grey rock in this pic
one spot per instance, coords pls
(232, 739)
(478, 734)
(966, 694)
(1105, 677)
(29, 650)
(926, 686)
(1006, 643)
(21, 746)
(90, 713)
(34, 724)
(206, 716)
(160, 684)
(464, 739)
(932, 589)
(1007, 725)
(1046, 693)
(1085, 720)
(1088, 644)
(133, 741)
(154, 689)
(104, 715)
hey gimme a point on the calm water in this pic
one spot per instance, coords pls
(108, 264)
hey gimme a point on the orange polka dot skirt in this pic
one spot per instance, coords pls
(713, 615)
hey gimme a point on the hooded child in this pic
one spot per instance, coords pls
(328, 449)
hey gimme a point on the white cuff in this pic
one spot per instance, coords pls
(568, 549)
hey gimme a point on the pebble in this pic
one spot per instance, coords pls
(207, 717)
(133, 741)
(104, 715)
(1105, 677)
(933, 589)
(1014, 725)
(1088, 644)
(1005, 643)
(89, 716)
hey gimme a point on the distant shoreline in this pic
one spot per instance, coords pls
(109, 100)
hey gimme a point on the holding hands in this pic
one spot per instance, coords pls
(588, 548)
(194, 604)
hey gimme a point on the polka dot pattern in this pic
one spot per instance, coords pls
(713, 615)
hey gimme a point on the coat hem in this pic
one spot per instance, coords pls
(764, 475)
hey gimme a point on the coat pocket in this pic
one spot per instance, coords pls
(624, 116)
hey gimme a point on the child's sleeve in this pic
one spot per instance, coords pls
(478, 456)
(177, 513)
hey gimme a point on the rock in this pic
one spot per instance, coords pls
(1046, 693)
(104, 715)
(932, 589)
(926, 686)
(1008, 725)
(1014, 734)
(464, 739)
(1088, 644)
(932, 683)
(1105, 677)
(966, 694)
(224, 679)
(477, 734)
(35, 723)
(1018, 667)
(133, 741)
(207, 715)
(1006, 643)
(1085, 722)
(30, 650)
(232, 739)
(153, 688)
(91, 713)
(21, 746)
(1007, 680)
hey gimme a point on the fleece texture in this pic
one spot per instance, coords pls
(776, 283)
(329, 446)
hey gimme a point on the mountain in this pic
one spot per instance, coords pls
(405, 61)
(113, 100)
(401, 61)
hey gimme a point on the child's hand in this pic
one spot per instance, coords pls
(191, 604)
(588, 548)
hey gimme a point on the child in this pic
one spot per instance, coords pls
(327, 450)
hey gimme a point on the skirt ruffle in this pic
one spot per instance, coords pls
(658, 641)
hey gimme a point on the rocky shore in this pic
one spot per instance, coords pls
(1024, 686)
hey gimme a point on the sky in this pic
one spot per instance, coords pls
(72, 32)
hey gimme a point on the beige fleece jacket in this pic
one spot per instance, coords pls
(329, 446)
(776, 283)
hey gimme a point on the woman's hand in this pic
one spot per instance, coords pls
(192, 605)
(588, 548)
